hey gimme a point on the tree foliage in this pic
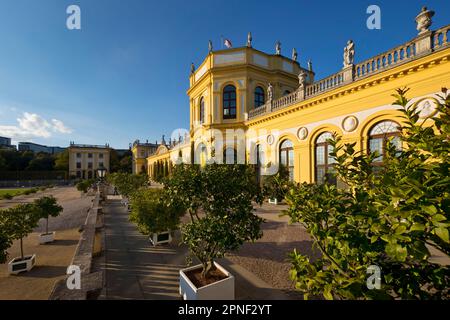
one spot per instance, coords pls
(389, 217)
(153, 212)
(47, 207)
(218, 199)
(127, 183)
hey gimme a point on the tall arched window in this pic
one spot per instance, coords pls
(379, 134)
(229, 156)
(287, 157)
(202, 110)
(259, 97)
(229, 102)
(324, 161)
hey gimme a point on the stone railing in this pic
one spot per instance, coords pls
(440, 38)
(285, 101)
(422, 45)
(326, 84)
(386, 60)
(90, 245)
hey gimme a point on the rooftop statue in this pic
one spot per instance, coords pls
(294, 54)
(270, 92)
(424, 21)
(249, 40)
(302, 78)
(278, 48)
(310, 68)
(210, 46)
(192, 68)
(349, 54)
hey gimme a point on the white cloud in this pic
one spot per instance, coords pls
(58, 126)
(31, 125)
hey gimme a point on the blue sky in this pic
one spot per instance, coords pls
(124, 76)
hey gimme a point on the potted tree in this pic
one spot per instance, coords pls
(218, 199)
(21, 220)
(275, 187)
(47, 207)
(154, 215)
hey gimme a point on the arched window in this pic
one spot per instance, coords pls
(202, 111)
(200, 154)
(229, 156)
(379, 134)
(287, 157)
(324, 161)
(259, 97)
(229, 102)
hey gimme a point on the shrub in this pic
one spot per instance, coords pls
(388, 217)
(8, 196)
(127, 183)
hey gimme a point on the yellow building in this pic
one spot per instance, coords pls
(85, 160)
(140, 152)
(247, 106)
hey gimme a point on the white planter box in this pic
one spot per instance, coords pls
(220, 290)
(46, 237)
(16, 265)
(160, 238)
(273, 201)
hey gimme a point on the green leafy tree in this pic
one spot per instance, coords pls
(153, 212)
(389, 217)
(62, 161)
(47, 207)
(127, 183)
(278, 185)
(5, 235)
(21, 220)
(218, 199)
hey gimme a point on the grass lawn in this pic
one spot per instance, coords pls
(13, 192)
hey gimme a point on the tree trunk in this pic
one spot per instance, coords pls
(21, 248)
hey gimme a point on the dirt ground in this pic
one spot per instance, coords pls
(53, 259)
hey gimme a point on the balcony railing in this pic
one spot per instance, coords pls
(419, 46)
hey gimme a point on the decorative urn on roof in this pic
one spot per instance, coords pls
(424, 21)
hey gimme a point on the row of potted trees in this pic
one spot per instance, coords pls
(19, 221)
(218, 200)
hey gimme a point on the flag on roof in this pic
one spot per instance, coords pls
(228, 43)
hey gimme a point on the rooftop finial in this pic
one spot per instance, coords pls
(310, 68)
(424, 21)
(192, 68)
(249, 40)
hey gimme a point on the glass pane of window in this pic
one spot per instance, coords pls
(320, 174)
(320, 155)
(283, 160)
(376, 144)
(291, 158)
(330, 158)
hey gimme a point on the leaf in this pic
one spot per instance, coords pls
(417, 227)
(327, 293)
(442, 233)
(429, 209)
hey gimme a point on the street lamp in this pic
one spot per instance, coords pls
(101, 172)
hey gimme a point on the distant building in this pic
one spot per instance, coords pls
(140, 153)
(85, 160)
(121, 152)
(36, 148)
(5, 143)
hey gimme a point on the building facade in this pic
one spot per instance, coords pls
(85, 160)
(36, 148)
(140, 152)
(265, 109)
(5, 143)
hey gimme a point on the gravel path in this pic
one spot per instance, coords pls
(268, 257)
